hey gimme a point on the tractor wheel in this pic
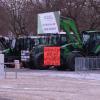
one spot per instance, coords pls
(62, 64)
(39, 62)
(71, 60)
(31, 65)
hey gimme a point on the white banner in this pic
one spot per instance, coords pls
(48, 22)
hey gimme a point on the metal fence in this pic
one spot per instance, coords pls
(3, 68)
(87, 63)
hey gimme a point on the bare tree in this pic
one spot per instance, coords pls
(16, 21)
(21, 15)
(3, 20)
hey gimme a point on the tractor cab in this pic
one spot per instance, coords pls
(91, 41)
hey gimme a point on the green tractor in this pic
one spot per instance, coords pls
(91, 43)
(72, 45)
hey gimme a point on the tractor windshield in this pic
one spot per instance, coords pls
(98, 36)
(90, 35)
(86, 37)
(57, 39)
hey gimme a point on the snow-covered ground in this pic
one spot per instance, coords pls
(50, 85)
(95, 75)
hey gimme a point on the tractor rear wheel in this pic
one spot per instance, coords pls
(71, 60)
(62, 64)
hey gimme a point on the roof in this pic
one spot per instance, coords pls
(92, 31)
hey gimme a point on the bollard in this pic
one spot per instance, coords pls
(17, 66)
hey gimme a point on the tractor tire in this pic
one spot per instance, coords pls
(62, 66)
(39, 62)
(71, 60)
(31, 65)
